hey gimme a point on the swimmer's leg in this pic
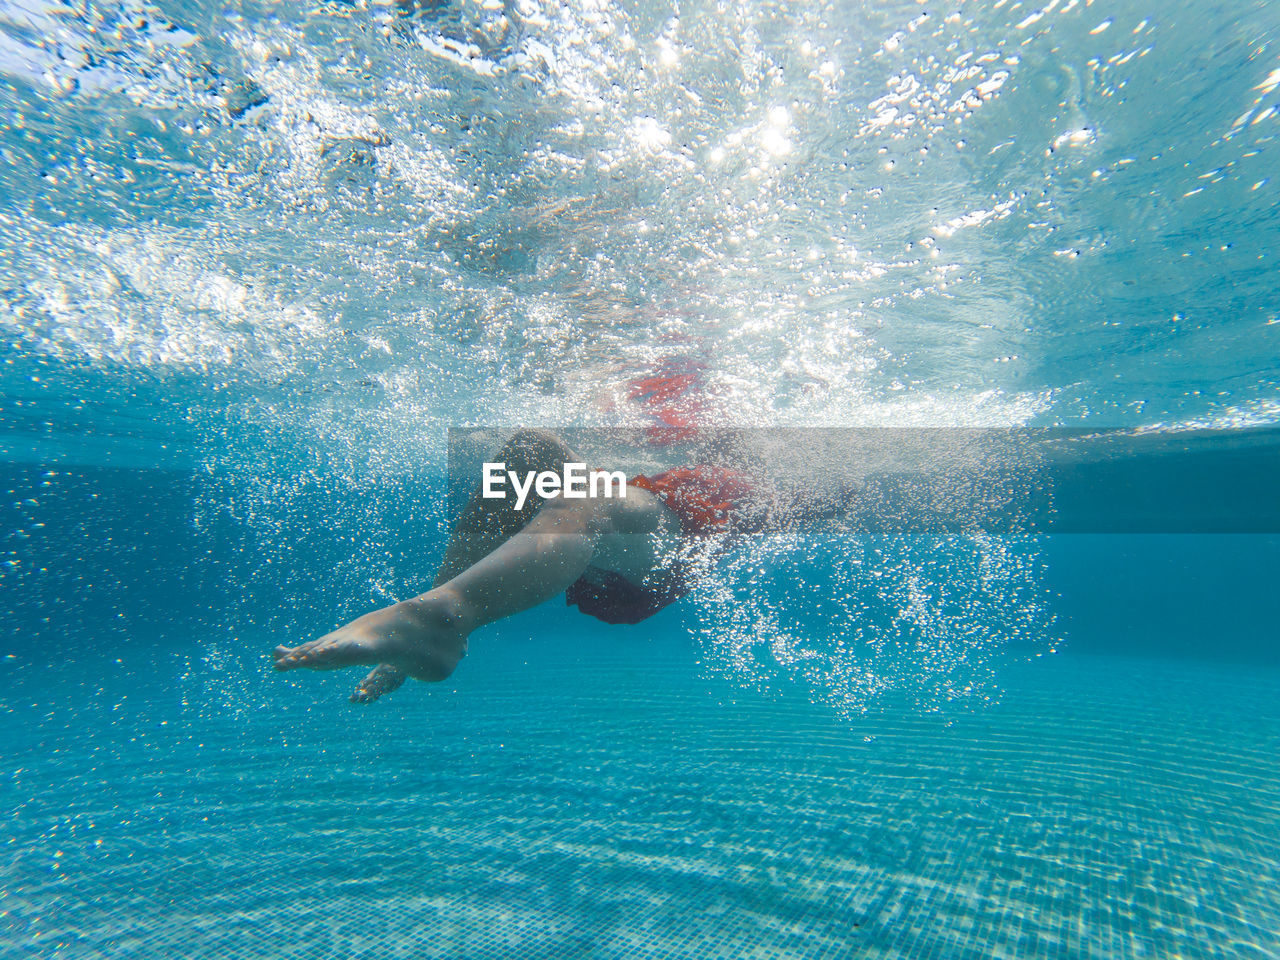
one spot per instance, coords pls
(426, 637)
(486, 524)
(483, 526)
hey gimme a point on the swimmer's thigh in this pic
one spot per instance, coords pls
(484, 525)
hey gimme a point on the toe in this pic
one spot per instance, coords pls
(367, 691)
(285, 657)
(382, 679)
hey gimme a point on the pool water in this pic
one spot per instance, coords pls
(572, 795)
(582, 790)
(257, 260)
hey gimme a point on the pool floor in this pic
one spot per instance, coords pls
(573, 799)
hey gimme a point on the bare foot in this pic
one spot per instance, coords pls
(423, 638)
(381, 679)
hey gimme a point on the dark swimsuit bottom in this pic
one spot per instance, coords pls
(707, 501)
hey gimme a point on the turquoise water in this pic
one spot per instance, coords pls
(259, 258)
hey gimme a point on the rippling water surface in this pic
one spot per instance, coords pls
(256, 258)
(346, 221)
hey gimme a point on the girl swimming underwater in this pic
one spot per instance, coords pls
(617, 559)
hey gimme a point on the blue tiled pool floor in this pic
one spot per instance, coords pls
(609, 804)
